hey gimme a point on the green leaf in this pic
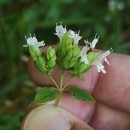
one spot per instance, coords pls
(46, 94)
(81, 94)
(40, 67)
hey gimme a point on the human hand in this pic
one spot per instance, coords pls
(111, 91)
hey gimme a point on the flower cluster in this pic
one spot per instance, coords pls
(69, 57)
(68, 54)
(44, 62)
(97, 58)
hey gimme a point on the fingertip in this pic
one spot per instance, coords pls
(50, 117)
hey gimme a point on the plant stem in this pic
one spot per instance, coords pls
(60, 89)
(62, 79)
(58, 97)
(67, 82)
(54, 82)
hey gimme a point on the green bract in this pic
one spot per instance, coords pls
(44, 62)
(67, 52)
(35, 53)
(50, 56)
(79, 68)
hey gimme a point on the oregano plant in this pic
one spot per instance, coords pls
(70, 58)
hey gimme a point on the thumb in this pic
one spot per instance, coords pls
(50, 117)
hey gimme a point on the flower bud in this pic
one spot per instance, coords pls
(43, 62)
(38, 59)
(67, 52)
(50, 59)
(50, 53)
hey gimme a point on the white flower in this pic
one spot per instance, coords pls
(104, 55)
(83, 55)
(99, 59)
(75, 37)
(114, 4)
(60, 31)
(33, 41)
(93, 43)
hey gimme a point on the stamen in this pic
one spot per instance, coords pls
(96, 37)
(111, 49)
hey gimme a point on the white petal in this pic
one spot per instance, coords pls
(75, 37)
(83, 55)
(101, 65)
(30, 40)
(41, 44)
(99, 59)
(60, 31)
(94, 42)
(84, 50)
(34, 39)
(84, 59)
(87, 43)
(104, 55)
(106, 61)
(103, 71)
(100, 68)
(72, 34)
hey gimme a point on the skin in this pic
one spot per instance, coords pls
(111, 91)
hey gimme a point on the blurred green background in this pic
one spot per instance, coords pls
(109, 19)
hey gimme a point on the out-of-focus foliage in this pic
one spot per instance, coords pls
(18, 18)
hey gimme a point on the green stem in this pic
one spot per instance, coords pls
(67, 82)
(58, 97)
(62, 79)
(60, 89)
(54, 82)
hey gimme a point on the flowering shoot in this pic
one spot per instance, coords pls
(68, 57)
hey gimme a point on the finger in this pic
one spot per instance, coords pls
(67, 101)
(107, 118)
(109, 89)
(50, 117)
(113, 88)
